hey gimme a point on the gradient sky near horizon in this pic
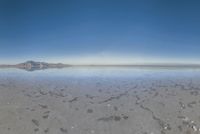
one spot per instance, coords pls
(99, 30)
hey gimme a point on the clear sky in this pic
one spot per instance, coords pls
(99, 30)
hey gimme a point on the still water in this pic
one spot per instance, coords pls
(83, 72)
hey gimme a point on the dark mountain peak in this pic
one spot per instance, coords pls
(33, 65)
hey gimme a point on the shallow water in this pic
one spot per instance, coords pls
(115, 72)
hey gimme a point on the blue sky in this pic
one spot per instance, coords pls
(98, 30)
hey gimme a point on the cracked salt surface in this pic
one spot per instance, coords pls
(148, 103)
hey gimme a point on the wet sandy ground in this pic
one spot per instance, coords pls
(100, 106)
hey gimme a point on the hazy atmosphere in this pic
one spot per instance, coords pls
(90, 31)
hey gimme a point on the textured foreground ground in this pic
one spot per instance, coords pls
(100, 106)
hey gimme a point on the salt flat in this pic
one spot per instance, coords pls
(100, 101)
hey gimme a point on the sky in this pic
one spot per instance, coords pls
(100, 31)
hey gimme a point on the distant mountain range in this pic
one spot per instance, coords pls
(33, 65)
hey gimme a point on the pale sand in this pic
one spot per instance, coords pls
(100, 106)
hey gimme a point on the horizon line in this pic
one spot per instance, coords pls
(113, 64)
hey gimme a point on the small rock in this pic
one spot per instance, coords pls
(37, 129)
(63, 130)
(45, 116)
(115, 108)
(36, 122)
(46, 130)
(43, 106)
(89, 111)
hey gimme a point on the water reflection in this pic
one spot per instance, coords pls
(102, 72)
